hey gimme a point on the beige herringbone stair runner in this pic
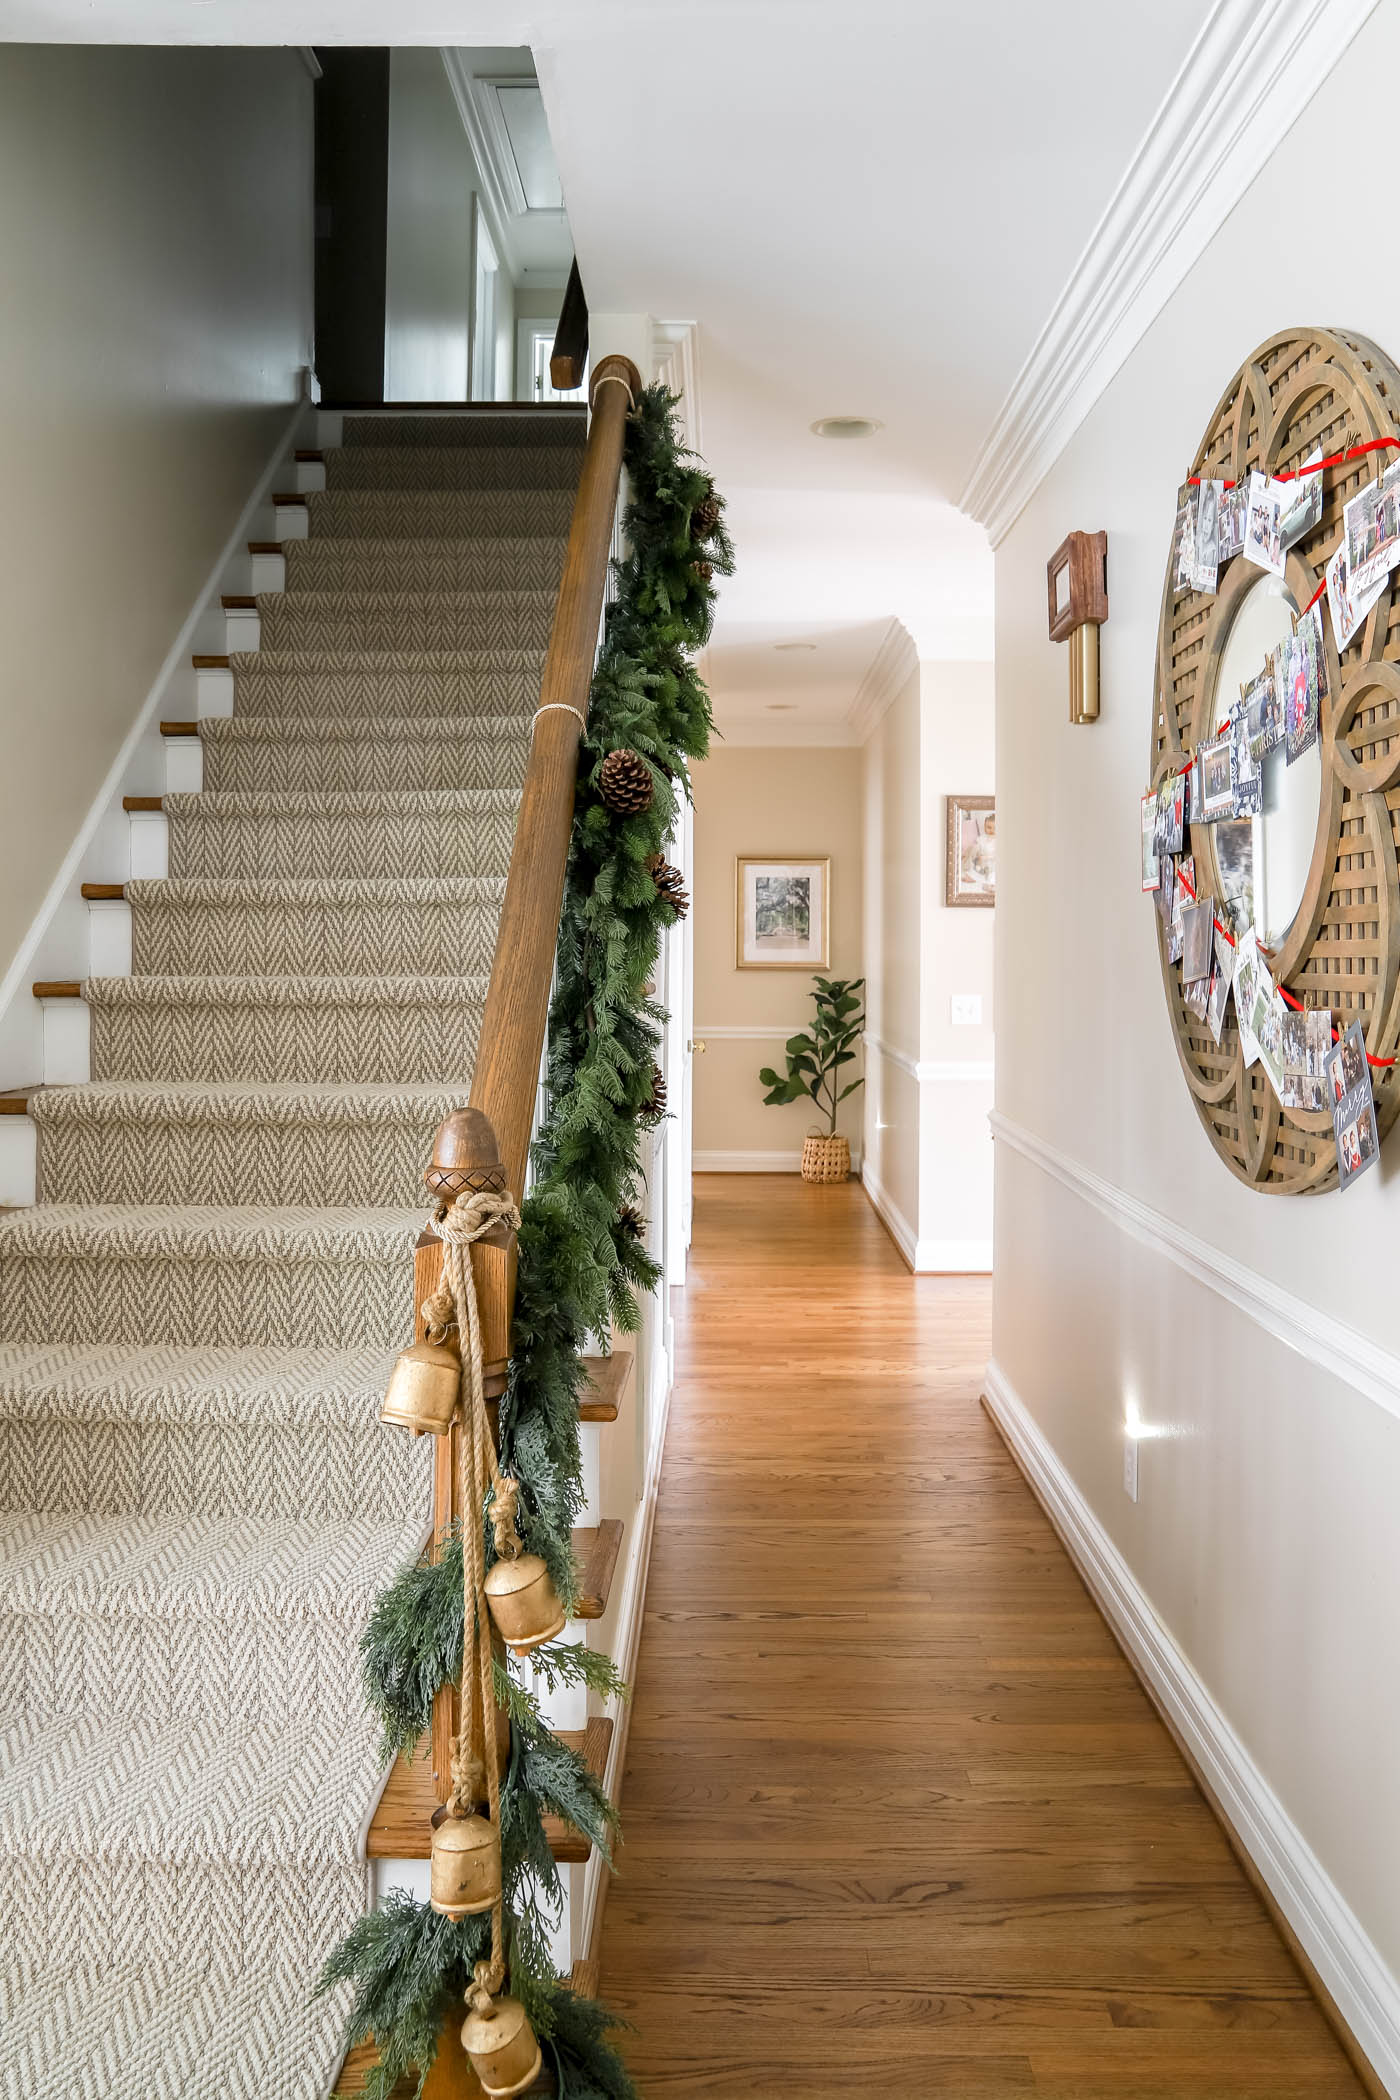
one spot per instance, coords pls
(197, 1502)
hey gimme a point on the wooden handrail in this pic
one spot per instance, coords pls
(494, 1137)
(569, 356)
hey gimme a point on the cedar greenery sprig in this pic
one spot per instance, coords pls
(581, 1263)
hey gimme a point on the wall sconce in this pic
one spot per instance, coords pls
(1076, 581)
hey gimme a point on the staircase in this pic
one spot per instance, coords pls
(198, 1316)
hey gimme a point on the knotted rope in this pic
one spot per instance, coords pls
(469, 1218)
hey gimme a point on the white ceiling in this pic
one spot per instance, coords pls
(867, 211)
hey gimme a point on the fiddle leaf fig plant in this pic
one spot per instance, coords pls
(814, 1061)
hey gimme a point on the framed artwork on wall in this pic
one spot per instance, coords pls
(782, 913)
(971, 876)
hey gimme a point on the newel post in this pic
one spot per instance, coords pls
(466, 1158)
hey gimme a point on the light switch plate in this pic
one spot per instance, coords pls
(966, 1008)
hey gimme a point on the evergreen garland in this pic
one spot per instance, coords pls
(581, 1262)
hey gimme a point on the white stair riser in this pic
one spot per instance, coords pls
(18, 1161)
(109, 938)
(311, 476)
(67, 1042)
(213, 694)
(150, 845)
(269, 573)
(411, 1875)
(591, 1450)
(414, 1877)
(242, 630)
(184, 765)
(293, 521)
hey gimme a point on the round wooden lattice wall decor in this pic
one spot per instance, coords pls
(1307, 388)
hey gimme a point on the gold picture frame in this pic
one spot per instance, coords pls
(761, 941)
(960, 887)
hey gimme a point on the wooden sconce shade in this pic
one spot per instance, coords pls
(1076, 587)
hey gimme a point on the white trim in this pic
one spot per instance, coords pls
(1349, 1965)
(107, 800)
(893, 664)
(762, 1032)
(925, 1257)
(1254, 66)
(676, 348)
(492, 196)
(759, 1162)
(937, 1071)
(1335, 1348)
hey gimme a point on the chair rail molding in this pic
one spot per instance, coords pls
(1346, 1961)
(933, 1071)
(1253, 68)
(1334, 1347)
(896, 659)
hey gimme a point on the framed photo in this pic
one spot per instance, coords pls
(971, 876)
(782, 911)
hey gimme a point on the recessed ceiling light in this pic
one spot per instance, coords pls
(846, 426)
(794, 645)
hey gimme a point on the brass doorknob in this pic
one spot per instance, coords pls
(696, 1044)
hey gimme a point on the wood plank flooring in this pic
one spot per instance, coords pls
(898, 1816)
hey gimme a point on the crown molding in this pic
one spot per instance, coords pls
(676, 346)
(895, 661)
(1254, 67)
(503, 197)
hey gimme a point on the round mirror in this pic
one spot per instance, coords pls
(1264, 860)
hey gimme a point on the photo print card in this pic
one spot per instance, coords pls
(1262, 707)
(1195, 997)
(1172, 804)
(1234, 504)
(1318, 646)
(1248, 963)
(1266, 1025)
(1302, 502)
(1318, 1039)
(1300, 707)
(1184, 573)
(1348, 605)
(1222, 977)
(1206, 567)
(1348, 1093)
(1246, 769)
(1151, 871)
(1197, 942)
(1166, 888)
(1297, 1080)
(1217, 780)
(1263, 523)
(1184, 896)
(1372, 528)
(1234, 860)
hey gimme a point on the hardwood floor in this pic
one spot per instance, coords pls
(898, 1816)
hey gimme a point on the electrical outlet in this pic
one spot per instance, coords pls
(966, 1009)
(1130, 1466)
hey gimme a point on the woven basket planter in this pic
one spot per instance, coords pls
(826, 1159)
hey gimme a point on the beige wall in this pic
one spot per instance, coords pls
(766, 801)
(894, 906)
(1133, 1270)
(155, 224)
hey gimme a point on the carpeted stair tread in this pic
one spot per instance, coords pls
(213, 1232)
(369, 928)
(359, 832)
(488, 467)
(256, 1388)
(187, 1787)
(428, 513)
(380, 620)
(352, 753)
(155, 991)
(354, 802)
(144, 1142)
(566, 428)
(443, 564)
(424, 685)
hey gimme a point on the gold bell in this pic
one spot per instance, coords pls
(523, 1602)
(423, 1389)
(501, 2044)
(465, 1874)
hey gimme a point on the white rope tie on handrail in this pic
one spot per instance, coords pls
(558, 707)
(615, 379)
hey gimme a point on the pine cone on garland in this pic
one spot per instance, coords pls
(704, 519)
(669, 886)
(704, 570)
(654, 1107)
(630, 1222)
(625, 783)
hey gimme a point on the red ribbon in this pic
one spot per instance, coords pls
(1317, 466)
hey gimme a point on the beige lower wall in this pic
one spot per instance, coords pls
(779, 801)
(155, 224)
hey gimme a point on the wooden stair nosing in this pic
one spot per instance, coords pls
(401, 1826)
(238, 602)
(596, 1547)
(103, 892)
(173, 729)
(142, 802)
(210, 663)
(294, 501)
(15, 1100)
(58, 988)
(266, 547)
(607, 1382)
(309, 456)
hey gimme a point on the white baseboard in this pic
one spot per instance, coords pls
(1349, 1966)
(756, 1162)
(926, 1257)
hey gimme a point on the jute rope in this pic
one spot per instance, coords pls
(470, 1218)
(559, 707)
